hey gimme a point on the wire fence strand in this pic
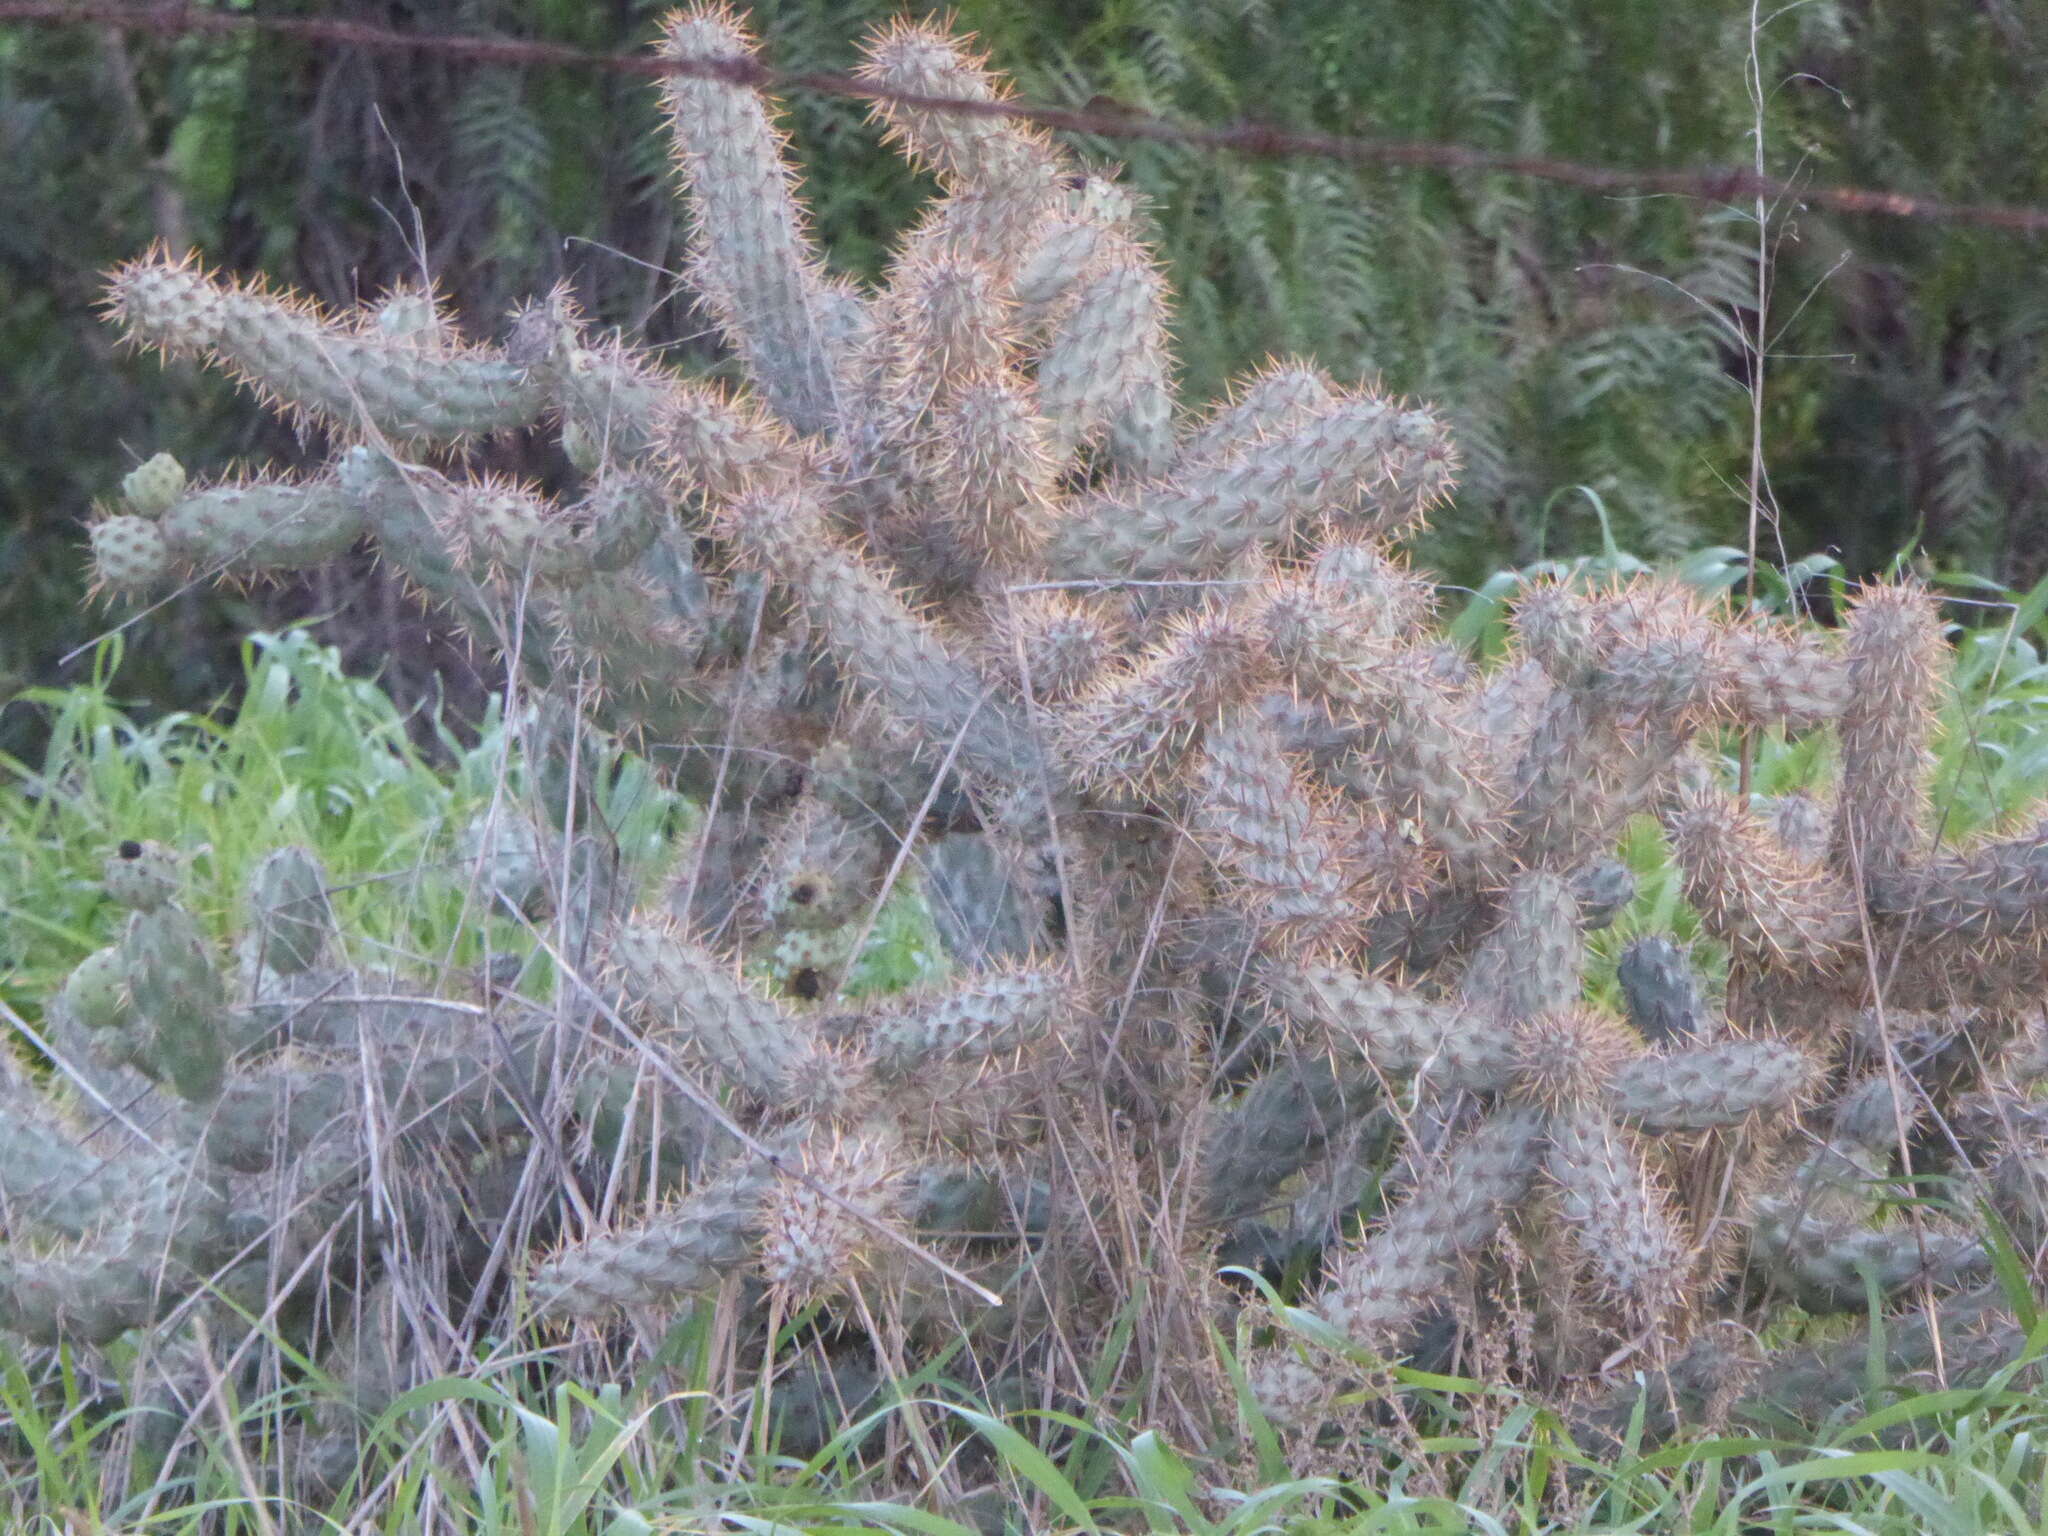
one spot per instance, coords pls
(1257, 140)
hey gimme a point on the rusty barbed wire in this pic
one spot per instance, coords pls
(1258, 140)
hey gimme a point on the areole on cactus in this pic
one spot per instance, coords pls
(1295, 896)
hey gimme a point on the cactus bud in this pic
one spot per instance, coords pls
(153, 485)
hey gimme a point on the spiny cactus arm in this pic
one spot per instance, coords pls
(1603, 889)
(1365, 463)
(1632, 683)
(1333, 637)
(1533, 962)
(1965, 1339)
(1779, 675)
(1137, 729)
(1750, 891)
(291, 921)
(1285, 1119)
(467, 1092)
(885, 648)
(985, 1016)
(990, 471)
(49, 1180)
(1002, 177)
(1801, 823)
(610, 399)
(1107, 368)
(942, 324)
(1895, 657)
(1282, 397)
(240, 528)
(178, 994)
(1995, 894)
(1615, 1214)
(120, 1275)
(1811, 1236)
(348, 374)
(1452, 1213)
(1374, 588)
(694, 999)
(1661, 992)
(1708, 1086)
(690, 1247)
(1283, 855)
(1829, 1269)
(267, 1118)
(1390, 1030)
(504, 532)
(751, 254)
(2017, 1187)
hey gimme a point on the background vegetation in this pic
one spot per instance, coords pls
(1581, 343)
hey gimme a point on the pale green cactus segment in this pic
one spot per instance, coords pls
(1993, 894)
(347, 374)
(1335, 639)
(1779, 675)
(1532, 963)
(1708, 1086)
(1280, 400)
(888, 650)
(1001, 177)
(990, 1016)
(693, 999)
(751, 255)
(1829, 1269)
(1661, 992)
(96, 994)
(1091, 221)
(47, 1180)
(262, 526)
(1892, 648)
(1453, 1212)
(1617, 1216)
(1813, 1239)
(130, 555)
(142, 876)
(1293, 873)
(1366, 464)
(291, 919)
(1392, 1030)
(119, 1276)
(1107, 352)
(721, 445)
(153, 485)
(1961, 1342)
(505, 530)
(178, 994)
(270, 1117)
(691, 1247)
(1140, 726)
(610, 400)
(1753, 892)
(1288, 1115)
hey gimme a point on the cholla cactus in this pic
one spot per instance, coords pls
(1308, 893)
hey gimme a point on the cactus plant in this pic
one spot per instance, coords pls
(953, 565)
